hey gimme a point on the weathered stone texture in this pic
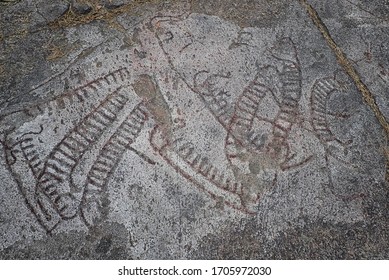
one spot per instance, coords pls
(193, 129)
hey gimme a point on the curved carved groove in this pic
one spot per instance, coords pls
(251, 136)
(46, 188)
(66, 155)
(246, 109)
(35, 200)
(202, 165)
(212, 94)
(79, 94)
(96, 88)
(110, 155)
(291, 90)
(198, 170)
(30, 153)
(321, 92)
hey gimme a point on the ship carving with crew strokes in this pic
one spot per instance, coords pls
(64, 173)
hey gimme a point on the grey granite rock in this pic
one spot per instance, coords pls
(194, 129)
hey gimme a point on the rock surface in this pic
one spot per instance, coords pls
(194, 129)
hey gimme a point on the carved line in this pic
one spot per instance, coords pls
(243, 118)
(59, 163)
(286, 116)
(213, 100)
(107, 161)
(81, 93)
(29, 152)
(203, 166)
(246, 108)
(66, 155)
(232, 197)
(321, 91)
(35, 201)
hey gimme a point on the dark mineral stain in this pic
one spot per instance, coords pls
(104, 245)
(146, 88)
(108, 241)
(318, 239)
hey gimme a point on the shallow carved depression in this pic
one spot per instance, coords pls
(196, 127)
